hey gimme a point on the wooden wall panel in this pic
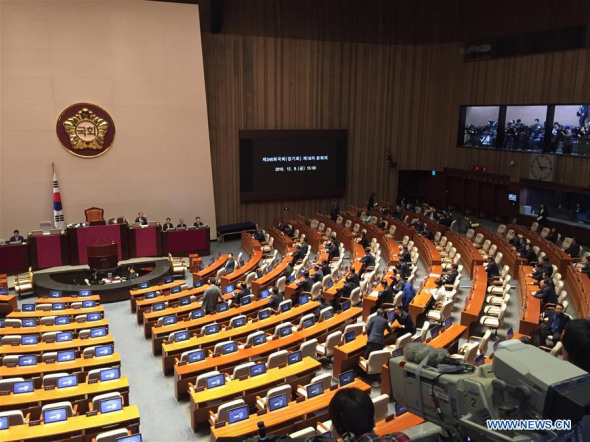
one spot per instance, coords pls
(393, 99)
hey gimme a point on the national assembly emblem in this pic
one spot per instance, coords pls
(85, 130)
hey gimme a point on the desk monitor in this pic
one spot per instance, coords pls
(67, 381)
(330, 283)
(168, 320)
(158, 306)
(496, 345)
(230, 347)
(96, 316)
(29, 340)
(28, 307)
(398, 352)
(184, 301)
(448, 322)
(2, 323)
(285, 331)
(66, 356)
(150, 295)
(246, 300)
(285, 307)
(110, 374)
(58, 306)
(180, 336)
(175, 289)
(391, 316)
(211, 329)
(110, 405)
(510, 333)
(215, 381)
(264, 294)
(55, 293)
(277, 402)
(196, 314)
(293, 358)
(349, 336)
(197, 284)
(55, 415)
(3, 291)
(239, 322)
(132, 438)
(229, 289)
(417, 339)
(258, 339)
(201, 267)
(303, 299)
(314, 390)
(399, 409)
(103, 350)
(328, 314)
(143, 285)
(196, 356)
(292, 278)
(263, 314)
(257, 369)
(434, 331)
(238, 414)
(222, 307)
(346, 378)
(168, 279)
(345, 305)
(88, 304)
(84, 293)
(98, 332)
(269, 269)
(64, 336)
(212, 260)
(4, 423)
(309, 322)
(62, 320)
(29, 322)
(480, 360)
(23, 387)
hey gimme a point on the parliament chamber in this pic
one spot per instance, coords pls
(220, 218)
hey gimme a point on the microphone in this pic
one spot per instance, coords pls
(261, 431)
(416, 352)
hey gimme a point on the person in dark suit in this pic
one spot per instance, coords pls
(317, 273)
(449, 277)
(573, 250)
(333, 251)
(304, 246)
(303, 286)
(132, 274)
(552, 235)
(259, 234)
(323, 304)
(351, 282)
(398, 283)
(556, 322)
(427, 233)
(404, 270)
(492, 269)
(230, 263)
(16, 237)
(586, 268)
(398, 214)
(537, 272)
(198, 222)
(275, 299)
(546, 294)
(211, 297)
(409, 294)
(385, 295)
(181, 223)
(334, 210)
(406, 324)
(529, 254)
(141, 219)
(368, 260)
(364, 241)
(376, 333)
(404, 255)
(240, 294)
(167, 225)
(543, 214)
(371, 203)
(326, 270)
(546, 266)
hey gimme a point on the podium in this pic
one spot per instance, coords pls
(102, 257)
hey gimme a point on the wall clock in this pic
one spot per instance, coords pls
(542, 167)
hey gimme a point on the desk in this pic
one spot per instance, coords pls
(578, 286)
(7, 305)
(14, 258)
(259, 284)
(247, 389)
(143, 305)
(399, 424)
(42, 368)
(49, 251)
(249, 244)
(145, 241)
(184, 242)
(46, 347)
(305, 413)
(530, 306)
(346, 356)
(135, 294)
(82, 237)
(424, 295)
(87, 427)
(470, 255)
(427, 250)
(40, 329)
(314, 238)
(476, 298)
(67, 299)
(240, 273)
(211, 269)
(67, 312)
(509, 255)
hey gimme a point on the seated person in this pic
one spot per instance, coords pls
(529, 254)
(385, 295)
(275, 299)
(288, 230)
(364, 241)
(323, 304)
(409, 294)
(198, 222)
(556, 322)
(368, 260)
(547, 267)
(404, 255)
(167, 225)
(405, 321)
(333, 251)
(427, 233)
(537, 272)
(398, 283)
(303, 286)
(259, 234)
(353, 417)
(573, 250)
(546, 294)
(230, 263)
(141, 219)
(586, 268)
(297, 255)
(318, 275)
(132, 274)
(241, 293)
(449, 277)
(16, 237)
(552, 235)
(492, 269)
(181, 223)
(404, 269)
(417, 225)
(326, 270)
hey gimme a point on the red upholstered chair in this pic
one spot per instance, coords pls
(95, 216)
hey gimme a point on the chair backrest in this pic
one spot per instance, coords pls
(305, 318)
(49, 336)
(51, 379)
(94, 215)
(49, 356)
(483, 345)
(355, 296)
(447, 309)
(237, 318)
(325, 311)
(285, 302)
(316, 290)
(486, 245)
(281, 282)
(424, 330)
(556, 350)
(221, 272)
(443, 241)
(332, 340)
(201, 380)
(13, 322)
(501, 229)
(321, 227)
(277, 358)
(68, 405)
(437, 236)
(112, 435)
(308, 348)
(43, 307)
(11, 339)
(219, 346)
(242, 370)
(470, 353)
(562, 296)
(377, 359)
(380, 403)
(251, 336)
(478, 238)
(403, 340)
(544, 232)
(277, 391)
(6, 384)
(324, 378)
(10, 359)
(325, 280)
(534, 226)
(493, 249)
(15, 417)
(502, 312)
(356, 327)
(566, 243)
(221, 415)
(392, 229)
(470, 234)
(498, 257)
(249, 278)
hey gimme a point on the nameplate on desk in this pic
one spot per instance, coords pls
(220, 424)
(91, 413)
(247, 346)
(83, 337)
(50, 341)
(390, 418)
(88, 356)
(181, 363)
(92, 381)
(244, 377)
(200, 389)
(50, 361)
(10, 365)
(4, 393)
(282, 365)
(300, 399)
(14, 344)
(260, 412)
(49, 387)
(333, 387)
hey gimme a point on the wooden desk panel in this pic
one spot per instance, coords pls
(185, 242)
(399, 424)
(211, 270)
(45, 347)
(249, 244)
(43, 368)
(240, 273)
(40, 329)
(67, 299)
(470, 255)
(314, 238)
(427, 250)
(7, 304)
(476, 298)
(424, 295)
(66, 312)
(136, 294)
(305, 412)
(530, 306)
(14, 258)
(259, 284)
(509, 255)
(143, 305)
(578, 286)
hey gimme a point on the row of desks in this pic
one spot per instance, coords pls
(530, 306)
(476, 299)
(470, 255)
(578, 286)
(509, 255)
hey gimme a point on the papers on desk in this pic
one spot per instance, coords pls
(431, 291)
(435, 275)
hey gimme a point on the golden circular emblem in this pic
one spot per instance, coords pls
(85, 130)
